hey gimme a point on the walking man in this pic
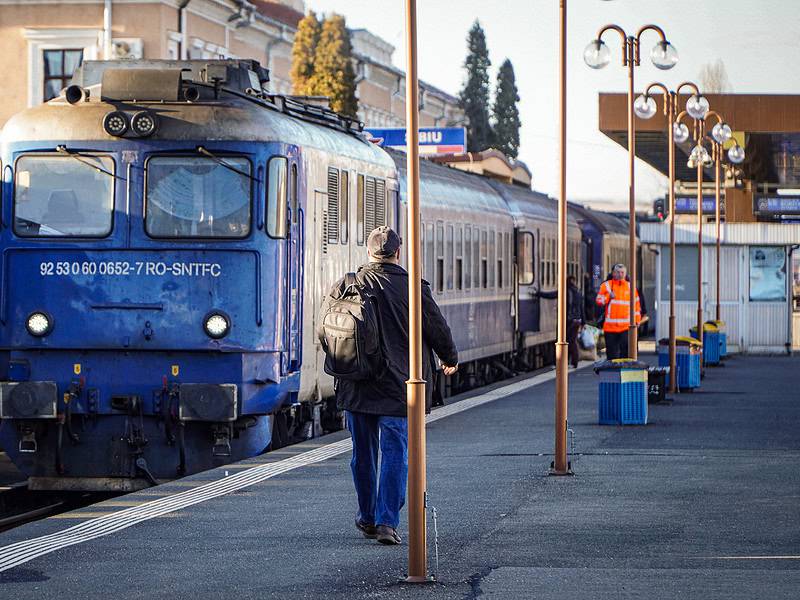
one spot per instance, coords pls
(614, 297)
(375, 407)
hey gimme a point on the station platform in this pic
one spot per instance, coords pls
(703, 502)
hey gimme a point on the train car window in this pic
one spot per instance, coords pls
(380, 202)
(196, 197)
(476, 257)
(295, 194)
(422, 246)
(525, 258)
(59, 196)
(429, 257)
(360, 189)
(459, 253)
(484, 260)
(449, 257)
(501, 260)
(439, 258)
(491, 259)
(542, 263)
(344, 206)
(467, 257)
(333, 206)
(276, 197)
(391, 207)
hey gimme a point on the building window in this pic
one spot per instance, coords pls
(59, 65)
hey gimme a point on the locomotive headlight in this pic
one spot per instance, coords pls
(144, 123)
(39, 324)
(217, 325)
(115, 123)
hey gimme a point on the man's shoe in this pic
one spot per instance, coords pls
(367, 530)
(388, 535)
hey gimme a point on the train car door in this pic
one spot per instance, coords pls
(529, 310)
(294, 269)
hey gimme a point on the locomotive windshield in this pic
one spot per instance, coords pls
(192, 196)
(57, 196)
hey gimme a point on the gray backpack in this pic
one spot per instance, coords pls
(350, 333)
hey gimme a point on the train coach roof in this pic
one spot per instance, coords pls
(604, 222)
(528, 204)
(447, 187)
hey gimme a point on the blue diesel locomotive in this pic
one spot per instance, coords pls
(169, 230)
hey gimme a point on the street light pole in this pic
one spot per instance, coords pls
(664, 57)
(560, 463)
(415, 386)
(700, 244)
(717, 175)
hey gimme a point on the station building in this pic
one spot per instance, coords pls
(760, 229)
(42, 42)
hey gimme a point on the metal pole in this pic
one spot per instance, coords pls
(700, 248)
(633, 350)
(560, 464)
(718, 159)
(673, 351)
(415, 386)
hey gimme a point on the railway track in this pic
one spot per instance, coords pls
(19, 505)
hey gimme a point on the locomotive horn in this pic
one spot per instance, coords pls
(75, 94)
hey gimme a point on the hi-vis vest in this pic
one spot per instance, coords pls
(617, 309)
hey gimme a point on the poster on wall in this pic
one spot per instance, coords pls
(767, 274)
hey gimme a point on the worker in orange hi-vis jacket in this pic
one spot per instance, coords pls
(615, 297)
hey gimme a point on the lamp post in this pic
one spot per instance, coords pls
(415, 386)
(721, 133)
(664, 56)
(560, 463)
(645, 108)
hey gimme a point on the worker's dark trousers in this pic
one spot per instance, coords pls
(616, 345)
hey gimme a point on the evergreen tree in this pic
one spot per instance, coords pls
(334, 75)
(305, 45)
(506, 113)
(475, 93)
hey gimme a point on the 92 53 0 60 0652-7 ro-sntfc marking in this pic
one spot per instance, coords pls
(116, 268)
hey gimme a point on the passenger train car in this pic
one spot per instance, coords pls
(169, 230)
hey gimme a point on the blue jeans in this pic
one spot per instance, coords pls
(379, 503)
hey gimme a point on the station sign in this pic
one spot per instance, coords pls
(776, 206)
(432, 140)
(687, 205)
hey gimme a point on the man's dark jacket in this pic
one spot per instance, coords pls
(386, 394)
(576, 307)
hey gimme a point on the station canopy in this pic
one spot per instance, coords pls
(767, 125)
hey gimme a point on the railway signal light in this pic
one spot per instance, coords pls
(659, 209)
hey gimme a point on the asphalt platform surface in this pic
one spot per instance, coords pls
(703, 502)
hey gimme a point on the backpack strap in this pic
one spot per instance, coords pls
(349, 280)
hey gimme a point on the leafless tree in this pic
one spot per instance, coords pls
(714, 78)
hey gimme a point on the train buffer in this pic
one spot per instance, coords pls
(700, 502)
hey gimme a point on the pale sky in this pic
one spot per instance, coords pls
(758, 40)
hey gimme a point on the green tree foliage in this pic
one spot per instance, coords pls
(305, 45)
(475, 93)
(334, 75)
(506, 112)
